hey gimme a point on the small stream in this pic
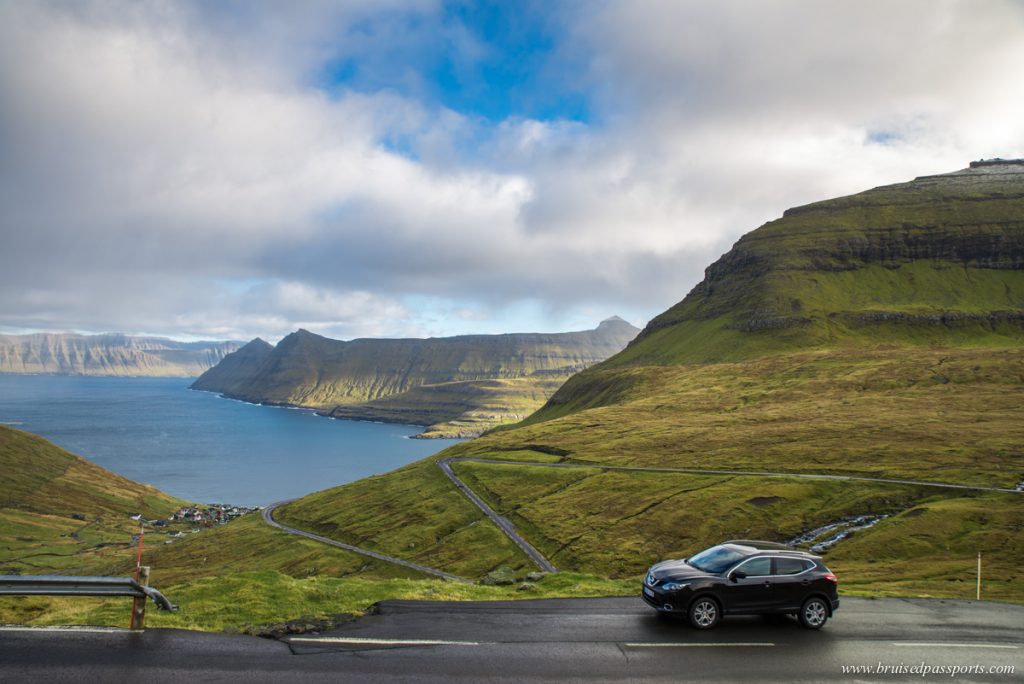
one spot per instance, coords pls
(825, 537)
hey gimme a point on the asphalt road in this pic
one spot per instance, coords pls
(504, 524)
(268, 517)
(562, 640)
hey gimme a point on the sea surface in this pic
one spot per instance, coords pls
(199, 446)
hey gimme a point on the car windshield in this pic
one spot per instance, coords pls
(715, 560)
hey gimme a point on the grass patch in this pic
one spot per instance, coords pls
(415, 514)
(948, 415)
(246, 601)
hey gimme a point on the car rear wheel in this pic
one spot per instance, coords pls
(704, 613)
(814, 613)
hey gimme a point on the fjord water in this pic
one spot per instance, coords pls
(201, 447)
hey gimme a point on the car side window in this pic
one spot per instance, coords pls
(789, 566)
(756, 567)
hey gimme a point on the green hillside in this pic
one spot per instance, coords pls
(459, 409)
(458, 386)
(904, 361)
(61, 514)
(108, 355)
(57, 508)
(935, 262)
(878, 335)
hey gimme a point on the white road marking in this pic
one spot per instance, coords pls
(693, 645)
(359, 641)
(76, 630)
(942, 645)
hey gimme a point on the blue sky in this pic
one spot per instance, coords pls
(493, 60)
(415, 168)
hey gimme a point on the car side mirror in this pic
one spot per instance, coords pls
(737, 575)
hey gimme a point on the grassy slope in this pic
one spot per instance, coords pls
(460, 409)
(623, 522)
(836, 272)
(877, 335)
(233, 577)
(889, 396)
(950, 415)
(43, 487)
(409, 513)
(245, 575)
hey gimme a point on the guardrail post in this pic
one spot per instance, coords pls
(138, 620)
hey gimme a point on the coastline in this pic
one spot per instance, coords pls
(321, 413)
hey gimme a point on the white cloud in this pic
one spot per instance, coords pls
(158, 159)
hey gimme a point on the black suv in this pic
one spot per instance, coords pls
(743, 577)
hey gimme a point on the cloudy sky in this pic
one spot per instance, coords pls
(376, 168)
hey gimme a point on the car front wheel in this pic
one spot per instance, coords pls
(814, 613)
(704, 613)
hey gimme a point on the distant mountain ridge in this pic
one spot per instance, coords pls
(110, 354)
(343, 378)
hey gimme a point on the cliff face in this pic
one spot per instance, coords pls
(305, 369)
(63, 354)
(937, 262)
(236, 369)
(940, 257)
(418, 381)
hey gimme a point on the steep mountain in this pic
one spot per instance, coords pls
(236, 369)
(112, 354)
(450, 383)
(937, 261)
(877, 337)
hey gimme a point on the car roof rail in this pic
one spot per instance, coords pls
(761, 545)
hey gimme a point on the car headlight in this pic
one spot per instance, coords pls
(674, 586)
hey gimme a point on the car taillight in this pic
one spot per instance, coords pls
(831, 578)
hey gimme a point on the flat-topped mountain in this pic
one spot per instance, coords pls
(306, 369)
(938, 258)
(937, 261)
(111, 354)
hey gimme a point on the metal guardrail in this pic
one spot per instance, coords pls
(62, 585)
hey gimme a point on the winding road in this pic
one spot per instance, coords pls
(509, 529)
(504, 524)
(268, 517)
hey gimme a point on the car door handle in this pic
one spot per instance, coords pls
(767, 584)
(806, 582)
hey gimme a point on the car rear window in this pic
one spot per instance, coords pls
(790, 566)
(757, 567)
